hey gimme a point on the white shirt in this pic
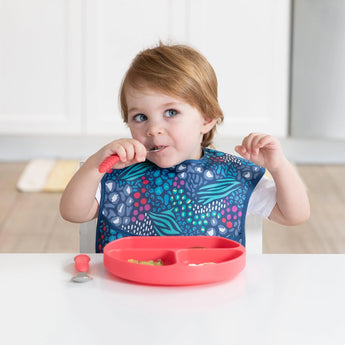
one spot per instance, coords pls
(263, 198)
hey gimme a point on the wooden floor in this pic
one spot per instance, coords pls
(30, 222)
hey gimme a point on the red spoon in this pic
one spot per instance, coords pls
(113, 159)
(82, 266)
(108, 163)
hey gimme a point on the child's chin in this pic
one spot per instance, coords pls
(164, 166)
(164, 163)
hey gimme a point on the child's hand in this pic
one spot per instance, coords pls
(130, 151)
(262, 149)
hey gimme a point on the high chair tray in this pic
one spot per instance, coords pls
(174, 260)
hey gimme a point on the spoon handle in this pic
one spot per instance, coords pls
(81, 263)
(108, 163)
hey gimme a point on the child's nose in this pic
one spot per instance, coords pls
(154, 129)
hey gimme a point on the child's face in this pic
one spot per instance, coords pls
(169, 124)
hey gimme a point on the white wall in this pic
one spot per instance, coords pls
(62, 61)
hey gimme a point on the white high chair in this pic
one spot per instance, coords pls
(87, 233)
(87, 236)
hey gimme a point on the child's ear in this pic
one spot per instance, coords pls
(208, 125)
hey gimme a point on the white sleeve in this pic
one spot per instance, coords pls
(263, 198)
(98, 193)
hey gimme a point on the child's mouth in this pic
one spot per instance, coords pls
(156, 148)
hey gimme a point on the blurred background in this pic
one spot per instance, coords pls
(281, 70)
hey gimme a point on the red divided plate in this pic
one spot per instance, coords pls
(185, 260)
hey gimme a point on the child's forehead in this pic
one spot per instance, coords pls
(142, 93)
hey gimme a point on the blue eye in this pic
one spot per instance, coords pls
(140, 118)
(170, 113)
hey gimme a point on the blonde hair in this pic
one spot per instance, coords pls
(178, 71)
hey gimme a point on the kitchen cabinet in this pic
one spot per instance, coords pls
(40, 66)
(318, 70)
(62, 62)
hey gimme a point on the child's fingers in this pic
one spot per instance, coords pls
(140, 151)
(128, 150)
(268, 142)
(120, 151)
(252, 144)
(242, 151)
(257, 143)
(248, 141)
(135, 152)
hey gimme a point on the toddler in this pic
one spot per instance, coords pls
(169, 180)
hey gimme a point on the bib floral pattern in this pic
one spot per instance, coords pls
(197, 197)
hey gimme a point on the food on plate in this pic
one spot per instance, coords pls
(202, 264)
(158, 262)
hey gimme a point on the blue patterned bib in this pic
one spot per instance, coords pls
(197, 197)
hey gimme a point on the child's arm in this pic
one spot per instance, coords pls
(292, 207)
(78, 203)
